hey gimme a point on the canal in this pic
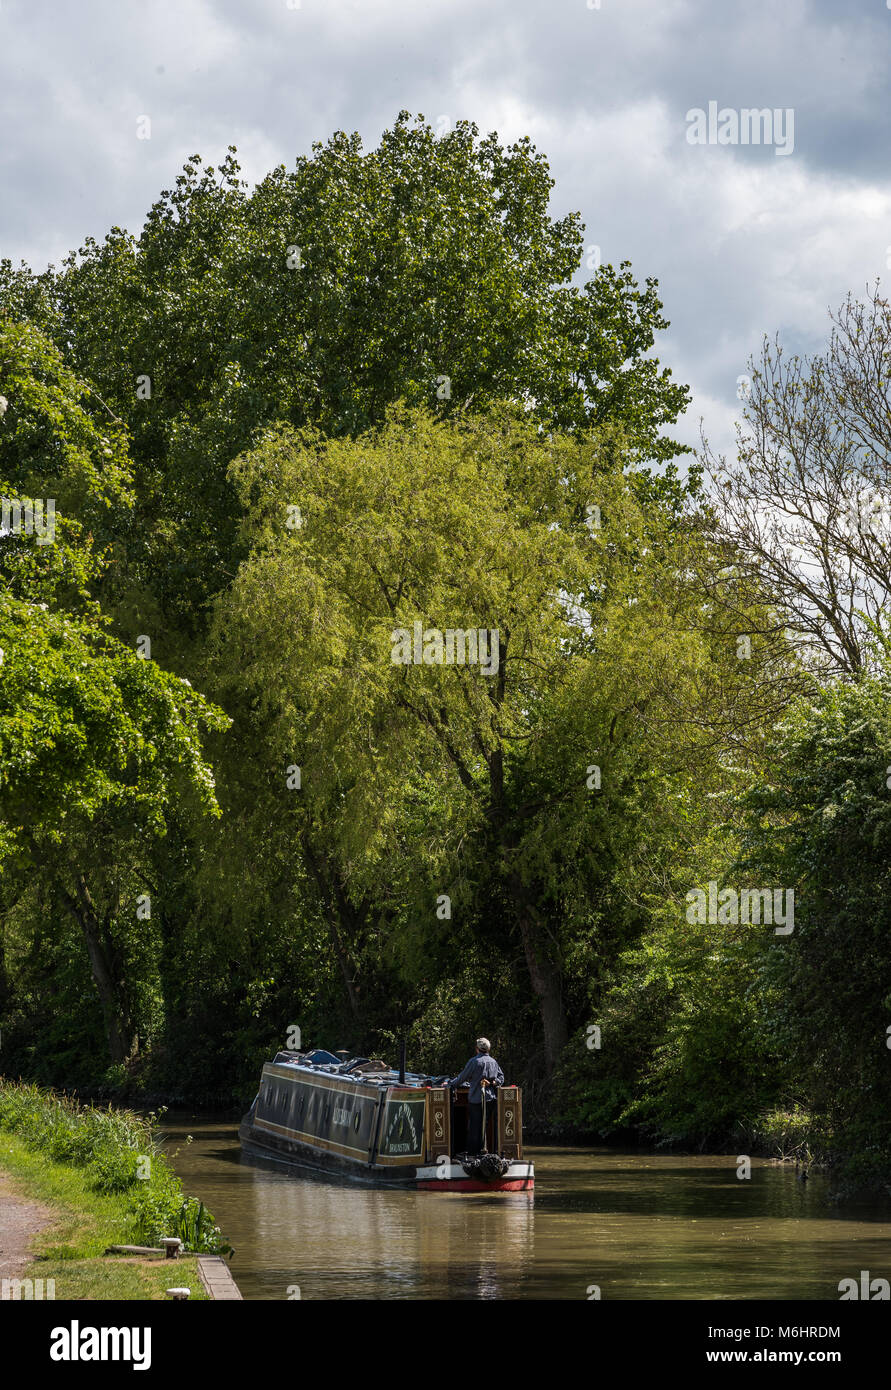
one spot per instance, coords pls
(634, 1225)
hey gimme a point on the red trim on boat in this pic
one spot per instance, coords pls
(477, 1185)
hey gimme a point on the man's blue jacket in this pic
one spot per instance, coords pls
(480, 1068)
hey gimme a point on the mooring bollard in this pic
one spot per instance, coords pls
(172, 1246)
(178, 1295)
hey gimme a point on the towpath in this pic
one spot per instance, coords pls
(20, 1219)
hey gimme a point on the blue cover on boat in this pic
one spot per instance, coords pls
(321, 1058)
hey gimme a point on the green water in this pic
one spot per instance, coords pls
(638, 1226)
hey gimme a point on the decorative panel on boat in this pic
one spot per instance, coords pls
(402, 1127)
(439, 1139)
(510, 1121)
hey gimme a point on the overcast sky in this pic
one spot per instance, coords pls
(743, 239)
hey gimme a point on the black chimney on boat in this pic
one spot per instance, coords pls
(402, 1063)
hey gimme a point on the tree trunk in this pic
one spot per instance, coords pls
(329, 885)
(546, 983)
(346, 969)
(544, 976)
(5, 987)
(121, 1043)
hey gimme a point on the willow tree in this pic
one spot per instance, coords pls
(481, 608)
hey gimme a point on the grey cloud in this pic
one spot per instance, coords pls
(741, 242)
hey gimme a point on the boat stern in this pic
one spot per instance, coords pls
(450, 1175)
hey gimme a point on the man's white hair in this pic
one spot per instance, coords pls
(483, 1045)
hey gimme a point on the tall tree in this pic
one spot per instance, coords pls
(819, 820)
(427, 269)
(806, 505)
(368, 558)
(95, 742)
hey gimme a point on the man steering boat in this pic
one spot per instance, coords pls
(481, 1071)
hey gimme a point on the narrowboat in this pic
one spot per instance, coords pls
(362, 1119)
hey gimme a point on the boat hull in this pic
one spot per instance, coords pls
(428, 1177)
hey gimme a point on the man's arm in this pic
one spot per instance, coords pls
(497, 1078)
(466, 1074)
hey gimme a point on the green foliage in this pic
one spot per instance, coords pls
(50, 435)
(821, 822)
(790, 1131)
(119, 1150)
(96, 744)
(426, 779)
(88, 728)
(421, 260)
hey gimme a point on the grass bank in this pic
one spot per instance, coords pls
(105, 1182)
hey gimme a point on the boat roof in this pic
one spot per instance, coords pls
(365, 1069)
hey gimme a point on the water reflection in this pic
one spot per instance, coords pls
(639, 1226)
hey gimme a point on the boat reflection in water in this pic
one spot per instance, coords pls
(364, 1120)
